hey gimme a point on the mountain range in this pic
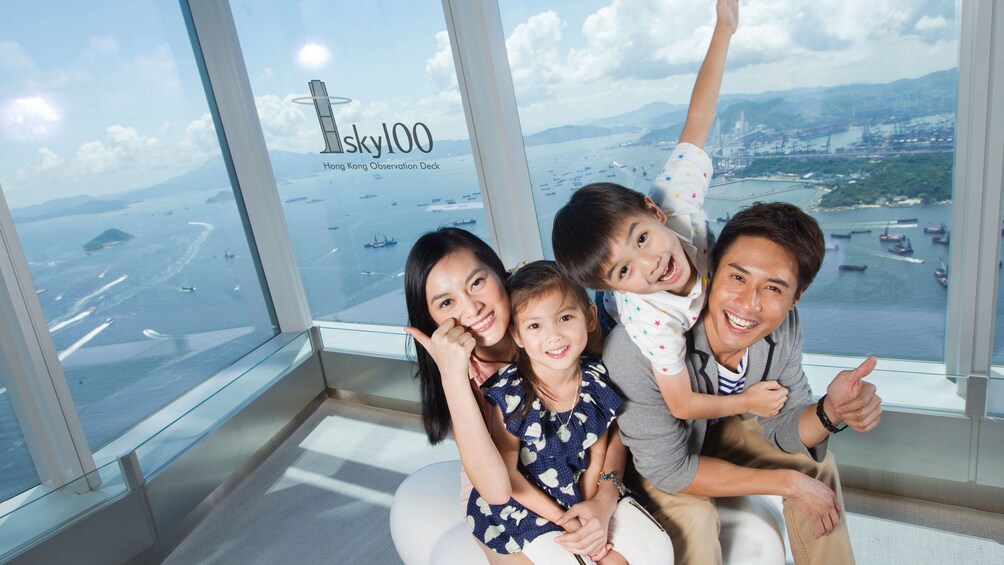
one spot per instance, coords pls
(782, 110)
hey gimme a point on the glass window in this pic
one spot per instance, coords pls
(366, 132)
(849, 114)
(17, 472)
(111, 166)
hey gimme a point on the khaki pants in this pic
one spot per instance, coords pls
(692, 521)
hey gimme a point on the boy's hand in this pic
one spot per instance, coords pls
(766, 398)
(728, 15)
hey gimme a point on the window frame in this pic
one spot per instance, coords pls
(45, 409)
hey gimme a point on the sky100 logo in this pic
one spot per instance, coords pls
(398, 138)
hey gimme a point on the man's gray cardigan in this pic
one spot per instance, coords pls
(665, 450)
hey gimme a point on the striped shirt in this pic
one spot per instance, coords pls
(733, 382)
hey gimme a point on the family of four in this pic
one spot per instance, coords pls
(696, 392)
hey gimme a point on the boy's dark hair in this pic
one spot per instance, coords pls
(427, 252)
(530, 283)
(584, 227)
(783, 224)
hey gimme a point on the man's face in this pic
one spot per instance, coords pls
(751, 292)
(646, 257)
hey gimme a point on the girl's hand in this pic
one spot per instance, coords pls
(450, 346)
(588, 524)
(766, 398)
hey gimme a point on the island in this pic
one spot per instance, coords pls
(923, 178)
(107, 239)
(221, 196)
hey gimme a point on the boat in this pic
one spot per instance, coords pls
(941, 273)
(861, 231)
(840, 235)
(903, 248)
(365, 196)
(377, 242)
(847, 267)
(884, 236)
(938, 230)
(942, 239)
(297, 199)
(832, 247)
(394, 203)
(333, 227)
(228, 255)
(469, 222)
(724, 218)
(187, 289)
(906, 221)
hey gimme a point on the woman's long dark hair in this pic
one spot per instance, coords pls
(427, 252)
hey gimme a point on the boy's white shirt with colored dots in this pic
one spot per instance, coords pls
(657, 322)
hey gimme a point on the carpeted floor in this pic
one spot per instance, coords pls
(324, 497)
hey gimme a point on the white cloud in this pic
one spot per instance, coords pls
(49, 159)
(534, 56)
(927, 23)
(631, 52)
(440, 67)
(13, 57)
(95, 157)
(288, 126)
(103, 46)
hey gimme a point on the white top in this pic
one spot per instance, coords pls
(657, 322)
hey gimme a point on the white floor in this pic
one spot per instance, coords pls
(324, 497)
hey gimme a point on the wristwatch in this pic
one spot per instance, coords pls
(612, 477)
(825, 420)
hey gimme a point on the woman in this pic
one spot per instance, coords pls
(459, 315)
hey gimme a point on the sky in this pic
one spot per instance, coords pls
(99, 98)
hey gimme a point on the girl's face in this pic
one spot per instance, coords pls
(553, 330)
(462, 288)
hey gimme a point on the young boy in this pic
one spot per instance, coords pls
(654, 257)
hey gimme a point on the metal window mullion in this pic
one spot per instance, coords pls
(236, 118)
(976, 211)
(35, 382)
(485, 81)
(993, 190)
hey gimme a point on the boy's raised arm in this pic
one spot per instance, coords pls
(704, 98)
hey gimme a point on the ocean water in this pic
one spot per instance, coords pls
(126, 302)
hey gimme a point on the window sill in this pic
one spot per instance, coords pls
(909, 386)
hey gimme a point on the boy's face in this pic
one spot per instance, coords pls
(646, 257)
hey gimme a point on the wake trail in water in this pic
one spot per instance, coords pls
(83, 341)
(893, 257)
(60, 325)
(193, 249)
(75, 312)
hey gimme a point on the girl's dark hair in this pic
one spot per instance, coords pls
(527, 284)
(427, 252)
(784, 224)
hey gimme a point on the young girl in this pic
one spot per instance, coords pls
(553, 423)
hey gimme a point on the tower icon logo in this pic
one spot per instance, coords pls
(398, 138)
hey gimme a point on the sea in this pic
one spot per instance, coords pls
(140, 323)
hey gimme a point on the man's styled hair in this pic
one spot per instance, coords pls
(584, 227)
(783, 224)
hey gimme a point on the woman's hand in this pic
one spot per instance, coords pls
(450, 346)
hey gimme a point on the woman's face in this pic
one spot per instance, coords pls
(463, 288)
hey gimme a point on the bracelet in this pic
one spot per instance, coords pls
(825, 420)
(612, 477)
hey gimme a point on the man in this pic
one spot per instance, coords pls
(749, 332)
